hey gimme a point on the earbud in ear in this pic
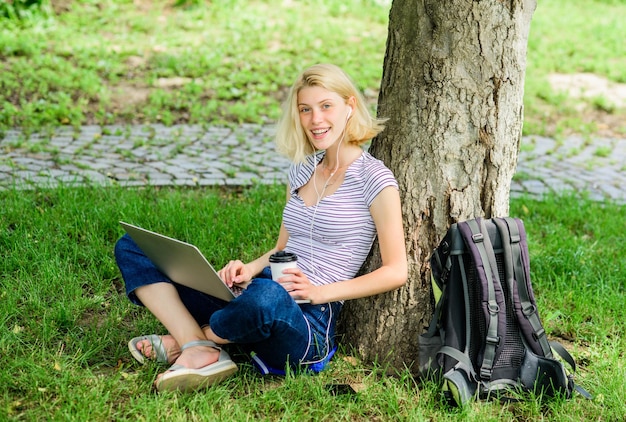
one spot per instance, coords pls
(349, 113)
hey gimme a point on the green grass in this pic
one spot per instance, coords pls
(63, 350)
(232, 61)
(568, 37)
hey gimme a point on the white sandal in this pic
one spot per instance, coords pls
(181, 378)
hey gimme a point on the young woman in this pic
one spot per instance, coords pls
(339, 199)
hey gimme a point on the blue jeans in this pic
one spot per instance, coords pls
(264, 319)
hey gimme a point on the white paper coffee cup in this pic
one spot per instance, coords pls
(280, 261)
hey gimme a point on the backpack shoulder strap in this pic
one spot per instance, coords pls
(514, 248)
(481, 249)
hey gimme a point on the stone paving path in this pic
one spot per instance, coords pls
(193, 155)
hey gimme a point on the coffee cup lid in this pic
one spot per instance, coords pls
(282, 256)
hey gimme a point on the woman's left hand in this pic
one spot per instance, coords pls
(299, 286)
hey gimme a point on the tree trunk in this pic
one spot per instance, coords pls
(452, 88)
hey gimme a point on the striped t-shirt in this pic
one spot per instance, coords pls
(333, 238)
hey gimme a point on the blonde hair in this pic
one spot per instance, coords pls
(291, 139)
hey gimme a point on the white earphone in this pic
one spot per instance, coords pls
(317, 202)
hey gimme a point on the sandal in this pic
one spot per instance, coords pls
(185, 379)
(157, 347)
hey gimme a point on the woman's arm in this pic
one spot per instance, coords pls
(387, 215)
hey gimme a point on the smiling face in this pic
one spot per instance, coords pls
(323, 115)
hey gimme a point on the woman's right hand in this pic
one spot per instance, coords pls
(235, 272)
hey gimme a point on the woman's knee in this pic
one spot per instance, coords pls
(121, 245)
(262, 306)
(124, 246)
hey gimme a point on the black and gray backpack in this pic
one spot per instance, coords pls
(486, 338)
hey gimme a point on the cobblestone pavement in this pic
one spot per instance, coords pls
(193, 155)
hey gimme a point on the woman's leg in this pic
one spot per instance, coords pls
(171, 304)
(266, 319)
(163, 301)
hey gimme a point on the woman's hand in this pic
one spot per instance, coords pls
(299, 286)
(236, 272)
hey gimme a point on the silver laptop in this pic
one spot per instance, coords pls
(182, 262)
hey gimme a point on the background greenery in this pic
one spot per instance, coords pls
(63, 350)
(74, 62)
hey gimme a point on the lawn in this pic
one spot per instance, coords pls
(64, 354)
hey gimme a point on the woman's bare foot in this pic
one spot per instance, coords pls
(170, 345)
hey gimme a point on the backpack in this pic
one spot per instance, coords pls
(485, 338)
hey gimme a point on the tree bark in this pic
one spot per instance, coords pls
(452, 88)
